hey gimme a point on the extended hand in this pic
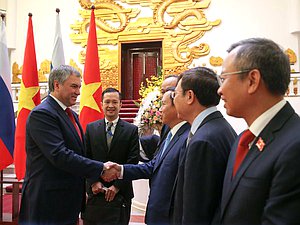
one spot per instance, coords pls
(111, 172)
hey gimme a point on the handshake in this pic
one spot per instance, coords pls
(111, 171)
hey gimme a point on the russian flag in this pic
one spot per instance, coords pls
(58, 56)
(7, 118)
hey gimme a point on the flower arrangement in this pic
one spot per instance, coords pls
(149, 118)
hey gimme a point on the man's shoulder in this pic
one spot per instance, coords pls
(127, 124)
(44, 106)
(95, 123)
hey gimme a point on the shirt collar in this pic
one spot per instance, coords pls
(261, 122)
(201, 116)
(62, 105)
(114, 121)
(177, 127)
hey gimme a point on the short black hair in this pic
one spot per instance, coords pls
(110, 90)
(203, 82)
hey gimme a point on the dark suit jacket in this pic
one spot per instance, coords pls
(124, 149)
(53, 188)
(149, 145)
(162, 171)
(200, 177)
(266, 188)
(163, 134)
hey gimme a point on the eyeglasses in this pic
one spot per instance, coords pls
(221, 77)
(174, 93)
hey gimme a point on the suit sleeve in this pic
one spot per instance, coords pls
(202, 184)
(89, 155)
(50, 136)
(133, 155)
(139, 171)
(283, 204)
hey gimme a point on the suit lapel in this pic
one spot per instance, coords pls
(160, 158)
(170, 146)
(100, 135)
(212, 116)
(118, 131)
(67, 120)
(267, 135)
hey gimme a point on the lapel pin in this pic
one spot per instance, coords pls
(260, 144)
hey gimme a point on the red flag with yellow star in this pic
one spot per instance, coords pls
(28, 99)
(91, 90)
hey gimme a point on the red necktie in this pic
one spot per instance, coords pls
(71, 116)
(242, 150)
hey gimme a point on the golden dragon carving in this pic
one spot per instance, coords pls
(116, 11)
(196, 18)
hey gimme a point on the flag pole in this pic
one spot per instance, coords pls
(1, 192)
(1, 176)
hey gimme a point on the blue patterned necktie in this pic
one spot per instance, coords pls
(167, 141)
(109, 134)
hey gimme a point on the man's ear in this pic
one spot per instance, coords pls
(255, 79)
(190, 96)
(55, 84)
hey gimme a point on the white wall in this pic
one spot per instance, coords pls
(43, 19)
(248, 18)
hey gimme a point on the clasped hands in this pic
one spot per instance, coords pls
(111, 171)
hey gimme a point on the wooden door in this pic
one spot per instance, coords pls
(139, 62)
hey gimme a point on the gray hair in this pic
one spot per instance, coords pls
(266, 56)
(60, 74)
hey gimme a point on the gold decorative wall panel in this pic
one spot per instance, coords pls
(179, 24)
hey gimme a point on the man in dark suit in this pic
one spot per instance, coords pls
(124, 148)
(163, 168)
(151, 149)
(53, 188)
(148, 147)
(265, 188)
(198, 189)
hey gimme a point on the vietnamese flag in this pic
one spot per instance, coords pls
(91, 90)
(28, 99)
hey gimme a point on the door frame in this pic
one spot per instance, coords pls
(126, 47)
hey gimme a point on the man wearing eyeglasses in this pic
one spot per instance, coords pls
(150, 144)
(198, 188)
(265, 187)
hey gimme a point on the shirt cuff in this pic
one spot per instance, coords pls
(122, 172)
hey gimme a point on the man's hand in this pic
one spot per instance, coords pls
(97, 188)
(111, 171)
(111, 193)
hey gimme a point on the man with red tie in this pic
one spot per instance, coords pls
(53, 188)
(262, 180)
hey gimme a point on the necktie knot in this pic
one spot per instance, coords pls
(189, 138)
(109, 134)
(246, 138)
(167, 141)
(72, 118)
(242, 150)
(69, 112)
(169, 136)
(108, 129)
